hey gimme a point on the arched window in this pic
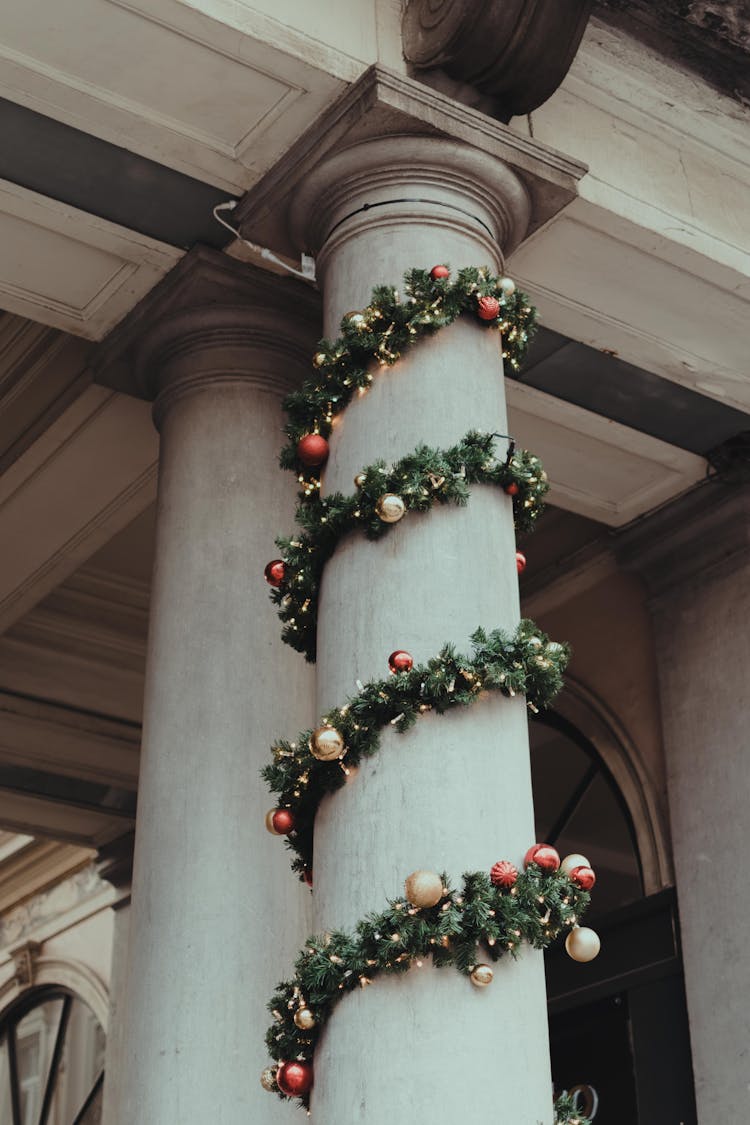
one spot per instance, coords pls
(51, 1060)
(579, 808)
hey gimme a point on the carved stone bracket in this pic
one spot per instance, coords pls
(24, 960)
(515, 51)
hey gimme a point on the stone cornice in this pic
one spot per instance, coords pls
(384, 104)
(204, 293)
(701, 536)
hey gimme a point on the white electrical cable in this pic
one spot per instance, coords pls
(308, 263)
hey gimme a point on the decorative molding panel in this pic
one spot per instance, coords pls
(69, 269)
(89, 475)
(598, 468)
(221, 105)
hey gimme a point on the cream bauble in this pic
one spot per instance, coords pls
(582, 944)
(424, 888)
(572, 861)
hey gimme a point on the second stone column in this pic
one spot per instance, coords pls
(454, 793)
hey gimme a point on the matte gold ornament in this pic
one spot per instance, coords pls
(507, 286)
(582, 944)
(327, 744)
(390, 508)
(359, 480)
(304, 1019)
(268, 1079)
(482, 975)
(319, 359)
(572, 861)
(424, 889)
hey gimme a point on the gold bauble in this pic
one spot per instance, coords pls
(482, 975)
(356, 319)
(319, 359)
(582, 944)
(268, 1079)
(572, 861)
(269, 823)
(390, 507)
(507, 286)
(424, 888)
(359, 480)
(304, 1019)
(326, 744)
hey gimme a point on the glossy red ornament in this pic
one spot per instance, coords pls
(400, 661)
(439, 273)
(307, 876)
(312, 450)
(520, 562)
(294, 1079)
(583, 877)
(511, 489)
(283, 821)
(275, 572)
(503, 874)
(544, 856)
(488, 308)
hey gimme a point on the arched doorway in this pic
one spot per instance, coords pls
(51, 1060)
(618, 1026)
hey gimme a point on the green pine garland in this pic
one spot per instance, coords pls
(383, 331)
(540, 905)
(526, 663)
(537, 910)
(423, 478)
(566, 1112)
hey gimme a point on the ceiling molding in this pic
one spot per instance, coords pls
(70, 269)
(89, 475)
(39, 865)
(598, 468)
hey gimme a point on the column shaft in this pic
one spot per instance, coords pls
(215, 912)
(455, 792)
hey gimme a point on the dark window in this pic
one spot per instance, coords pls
(51, 1061)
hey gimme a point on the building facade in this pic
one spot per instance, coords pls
(193, 194)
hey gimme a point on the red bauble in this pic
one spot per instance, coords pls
(283, 821)
(400, 661)
(275, 572)
(544, 856)
(312, 450)
(294, 1079)
(307, 876)
(520, 562)
(503, 874)
(511, 489)
(583, 877)
(488, 308)
(439, 273)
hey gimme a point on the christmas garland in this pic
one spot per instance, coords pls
(526, 663)
(566, 1112)
(422, 479)
(496, 912)
(384, 330)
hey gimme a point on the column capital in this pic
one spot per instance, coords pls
(703, 535)
(213, 317)
(382, 104)
(221, 345)
(401, 180)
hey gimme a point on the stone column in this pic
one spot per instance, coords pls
(454, 793)
(695, 557)
(215, 912)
